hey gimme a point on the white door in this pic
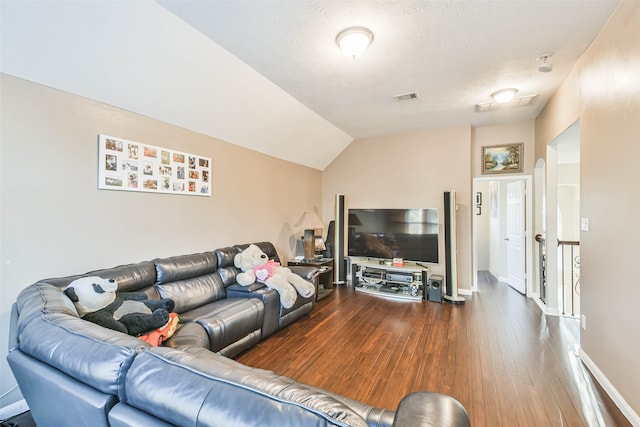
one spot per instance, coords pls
(515, 236)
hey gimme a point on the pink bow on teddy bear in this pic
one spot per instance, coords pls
(265, 271)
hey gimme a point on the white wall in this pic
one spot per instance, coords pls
(55, 222)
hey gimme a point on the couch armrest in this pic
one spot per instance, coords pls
(307, 272)
(269, 297)
(236, 288)
(423, 409)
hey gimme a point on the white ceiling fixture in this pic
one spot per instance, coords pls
(545, 67)
(504, 95)
(450, 50)
(354, 40)
(520, 101)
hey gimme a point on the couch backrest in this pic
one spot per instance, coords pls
(189, 280)
(226, 268)
(266, 247)
(138, 277)
(203, 388)
(49, 330)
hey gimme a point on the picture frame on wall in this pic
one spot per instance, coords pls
(135, 166)
(504, 158)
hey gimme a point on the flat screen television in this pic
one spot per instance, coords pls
(410, 234)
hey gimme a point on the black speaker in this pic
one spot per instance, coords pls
(354, 274)
(425, 285)
(338, 250)
(435, 287)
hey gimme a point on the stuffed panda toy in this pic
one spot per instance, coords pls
(133, 313)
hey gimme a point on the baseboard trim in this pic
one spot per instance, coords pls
(465, 291)
(16, 408)
(626, 410)
(541, 305)
(552, 311)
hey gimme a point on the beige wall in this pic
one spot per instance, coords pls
(56, 222)
(509, 133)
(408, 171)
(609, 109)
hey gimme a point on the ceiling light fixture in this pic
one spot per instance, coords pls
(545, 67)
(354, 40)
(505, 95)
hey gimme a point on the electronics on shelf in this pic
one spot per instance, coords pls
(381, 278)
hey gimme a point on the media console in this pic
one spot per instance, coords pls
(408, 282)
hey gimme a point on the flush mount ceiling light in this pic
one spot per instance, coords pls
(505, 95)
(354, 40)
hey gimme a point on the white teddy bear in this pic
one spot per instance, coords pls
(256, 266)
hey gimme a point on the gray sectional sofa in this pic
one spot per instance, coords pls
(73, 372)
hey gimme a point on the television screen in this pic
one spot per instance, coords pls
(410, 234)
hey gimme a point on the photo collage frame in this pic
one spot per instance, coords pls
(135, 166)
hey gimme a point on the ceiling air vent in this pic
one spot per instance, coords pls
(406, 97)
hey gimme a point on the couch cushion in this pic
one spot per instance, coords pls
(226, 268)
(266, 247)
(189, 334)
(202, 388)
(193, 292)
(130, 277)
(51, 393)
(49, 330)
(185, 266)
(228, 320)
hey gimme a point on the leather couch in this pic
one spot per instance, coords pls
(73, 372)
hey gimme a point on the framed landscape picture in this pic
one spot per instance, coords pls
(506, 158)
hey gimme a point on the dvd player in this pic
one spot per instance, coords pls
(399, 276)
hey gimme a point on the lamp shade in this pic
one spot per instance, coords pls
(309, 221)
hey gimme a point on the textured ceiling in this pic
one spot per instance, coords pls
(454, 54)
(267, 75)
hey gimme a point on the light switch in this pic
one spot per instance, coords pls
(584, 224)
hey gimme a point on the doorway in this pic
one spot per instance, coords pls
(565, 183)
(502, 236)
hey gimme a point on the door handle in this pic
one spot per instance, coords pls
(506, 239)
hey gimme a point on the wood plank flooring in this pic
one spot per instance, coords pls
(506, 362)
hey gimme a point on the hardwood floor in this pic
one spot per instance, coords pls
(507, 363)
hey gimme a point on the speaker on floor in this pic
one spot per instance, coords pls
(435, 287)
(451, 249)
(339, 270)
(425, 285)
(353, 268)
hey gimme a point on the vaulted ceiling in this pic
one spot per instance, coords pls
(268, 74)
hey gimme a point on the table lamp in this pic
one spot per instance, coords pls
(309, 221)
